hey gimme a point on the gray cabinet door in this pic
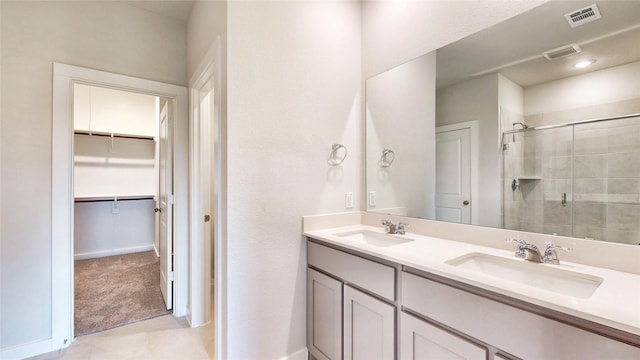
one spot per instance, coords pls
(369, 327)
(423, 341)
(324, 316)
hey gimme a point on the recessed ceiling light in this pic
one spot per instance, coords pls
(583, 64)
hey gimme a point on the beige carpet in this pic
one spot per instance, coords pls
(116, 290)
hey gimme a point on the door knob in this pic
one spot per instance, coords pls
(466, 202)
(157, 210)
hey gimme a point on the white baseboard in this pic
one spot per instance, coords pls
(112, 252)
(302, 354)
(26, 350)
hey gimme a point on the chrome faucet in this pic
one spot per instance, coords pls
(531, 252)
(527, 251)
(391, 228)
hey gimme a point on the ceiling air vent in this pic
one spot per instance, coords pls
(583, 16)
(561, 52)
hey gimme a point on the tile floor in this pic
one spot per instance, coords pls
(163, 337)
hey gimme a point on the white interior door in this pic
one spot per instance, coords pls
(453, 176)
(166, 206)
(206, 196)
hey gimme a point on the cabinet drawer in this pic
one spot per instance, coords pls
(506, 327)
(421, 340)
(370, 275)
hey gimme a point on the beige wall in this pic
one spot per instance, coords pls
(207, 21)
(400, 116)
(106, 35)
(293, 90)
(604, 93)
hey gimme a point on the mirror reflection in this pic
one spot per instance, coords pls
(502, 129)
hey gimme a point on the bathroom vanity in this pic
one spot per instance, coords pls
(373, 295)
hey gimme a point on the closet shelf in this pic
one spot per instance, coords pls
(108, 134)
(113, 198)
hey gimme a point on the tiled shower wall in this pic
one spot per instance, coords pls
(607, 181)
(596, 165)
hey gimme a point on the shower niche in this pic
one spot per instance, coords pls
(580, 180)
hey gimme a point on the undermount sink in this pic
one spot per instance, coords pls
(375, 238)
(533, 274)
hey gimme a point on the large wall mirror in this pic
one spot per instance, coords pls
(529, 125)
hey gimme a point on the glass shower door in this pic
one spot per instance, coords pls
(607, 181)
(556, 161)
(538, 181)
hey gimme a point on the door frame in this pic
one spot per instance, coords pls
(474, 127)
(210, 68)
(62, 198)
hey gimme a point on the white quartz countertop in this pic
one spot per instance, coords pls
(615, 303)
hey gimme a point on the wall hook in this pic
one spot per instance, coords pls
(387, 158)
(334, 158)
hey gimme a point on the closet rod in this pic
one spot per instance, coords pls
(105, 134)
(113, 198)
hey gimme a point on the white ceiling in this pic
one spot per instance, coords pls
(174, 9)
(514, 47)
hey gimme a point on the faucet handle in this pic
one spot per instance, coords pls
(389, 227)
(520, 251)
(550, 254)
(400, 229)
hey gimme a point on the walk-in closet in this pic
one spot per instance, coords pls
(116, 222)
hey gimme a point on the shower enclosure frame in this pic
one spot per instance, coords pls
(510, 186)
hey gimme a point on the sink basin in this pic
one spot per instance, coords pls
(375, 238)
(533, 274)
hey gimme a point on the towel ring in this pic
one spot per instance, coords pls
(387, 158)
(334, 159)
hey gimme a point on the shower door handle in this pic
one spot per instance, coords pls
(564, 199)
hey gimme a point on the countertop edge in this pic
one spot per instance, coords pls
(589, 321)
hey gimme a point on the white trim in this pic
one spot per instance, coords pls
(64, 76)
(210, 66)
(302, 354)
(474, 129)
(26, 350)
(113, 252)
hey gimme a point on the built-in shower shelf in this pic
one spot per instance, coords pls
(529, 178)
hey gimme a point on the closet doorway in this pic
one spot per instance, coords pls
(122, 207)
(62, 195)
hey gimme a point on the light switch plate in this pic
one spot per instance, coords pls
(372, 198)
(348, 200)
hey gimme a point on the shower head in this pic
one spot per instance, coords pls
(514, 127)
